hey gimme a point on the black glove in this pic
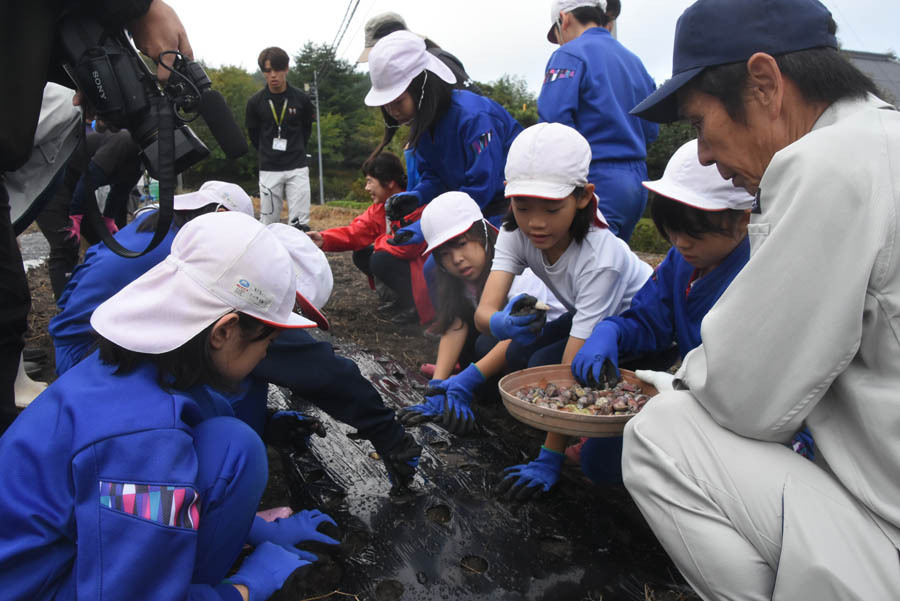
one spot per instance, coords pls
(290, 431)
(400, 205)
(402, 461)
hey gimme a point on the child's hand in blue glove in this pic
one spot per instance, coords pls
(520, 320)
(530, 480)
(458, 416)
(430, 410)
(266, 569)
(597, 361)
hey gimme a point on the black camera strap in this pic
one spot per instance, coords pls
(166, 115)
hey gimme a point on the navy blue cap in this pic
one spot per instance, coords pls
(719, 32)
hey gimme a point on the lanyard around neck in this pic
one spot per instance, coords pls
(278, 119)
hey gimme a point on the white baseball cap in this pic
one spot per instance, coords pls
(229, 196)
(314, 278)
(686, 181)
(219, 263)
(395, 61)
(447, 216)
(567, 6)
(547, 160)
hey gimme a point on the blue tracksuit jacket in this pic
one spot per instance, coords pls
(665, 309)
(99, 496)
(590, 84)
(467, 151)
(294, 360)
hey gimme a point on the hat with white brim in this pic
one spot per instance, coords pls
(702, 187)
(228, 196)
(447, 216)
(314, 278)
(395, 61)
(219, 263)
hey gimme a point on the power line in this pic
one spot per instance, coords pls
(350, 20)
(341, 24)
(361, 23)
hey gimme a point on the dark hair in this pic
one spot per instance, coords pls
(581, 223)
(678, 217)
(435, 101)
(823, 75)
(452, 303)
(591, 14)
(188, 365)
(278, 58)
(178, 219)
(385, 167)
(613, 10)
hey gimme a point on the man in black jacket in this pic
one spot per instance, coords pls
(279, 122)
(27, 35)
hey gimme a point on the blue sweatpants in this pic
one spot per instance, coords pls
(621, 195)
(231, 477)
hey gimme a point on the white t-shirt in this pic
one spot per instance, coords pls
(593, 279)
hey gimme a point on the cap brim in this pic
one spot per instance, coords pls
(680, 194)
(364, 55)
(310, 314)
(551, 34)
(536, 189)
(381, 97)
(191, 201)
(158, 312)
(662, 105)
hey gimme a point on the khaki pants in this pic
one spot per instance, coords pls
(747, 519)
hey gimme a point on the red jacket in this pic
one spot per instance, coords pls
(372, 228)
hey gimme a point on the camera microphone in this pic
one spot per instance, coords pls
(224, 128)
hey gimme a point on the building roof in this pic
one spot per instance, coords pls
(884, 69)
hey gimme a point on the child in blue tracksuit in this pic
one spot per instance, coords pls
(460, 139)
(591, 83)
(129, 478)
(331, 382)
(705, 218)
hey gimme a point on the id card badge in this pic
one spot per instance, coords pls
(279, 144)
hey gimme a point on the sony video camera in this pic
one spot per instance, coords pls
(125, 93)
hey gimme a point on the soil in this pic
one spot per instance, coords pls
(450, 538)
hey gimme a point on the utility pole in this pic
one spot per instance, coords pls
(318, 135)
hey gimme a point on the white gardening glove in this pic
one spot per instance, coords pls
(661, 380)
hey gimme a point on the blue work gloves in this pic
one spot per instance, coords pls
(290, 431)
(401, 462)
(305, 528)
(458, 417)
(519, 320)
(597, 362)
(431, 410)
(400, 205)
(411, 234)
(266, 569)
(530, 480)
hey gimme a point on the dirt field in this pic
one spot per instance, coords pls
(385, 540)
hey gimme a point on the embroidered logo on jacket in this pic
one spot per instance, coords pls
(482, 142)
(177, 506)
(554, 74)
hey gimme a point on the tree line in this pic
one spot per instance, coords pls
(351, 130)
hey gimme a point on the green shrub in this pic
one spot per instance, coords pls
(647, 239)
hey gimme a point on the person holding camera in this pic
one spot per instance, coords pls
(279, 122)
(26, 61)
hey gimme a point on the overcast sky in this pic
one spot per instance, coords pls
(491, 37)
